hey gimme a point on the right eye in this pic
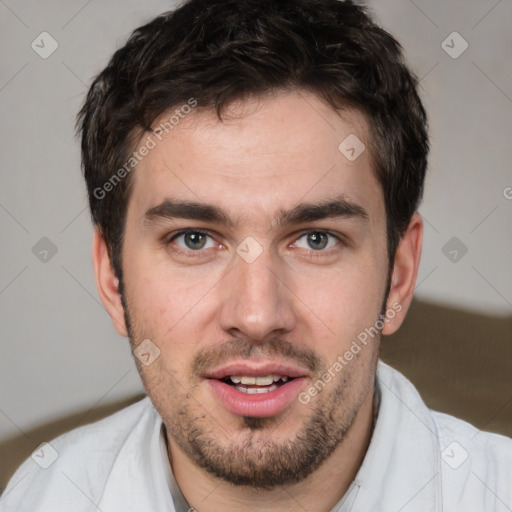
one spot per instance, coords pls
(192, 240)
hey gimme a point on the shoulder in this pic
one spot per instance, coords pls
(472, 468)
(479, 447)
(476, 466)
(72, 469)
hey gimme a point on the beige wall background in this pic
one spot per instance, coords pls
(62, 363)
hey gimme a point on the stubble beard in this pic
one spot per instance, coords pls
(252, 456)
(258, 461)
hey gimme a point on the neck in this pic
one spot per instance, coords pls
(319, 491)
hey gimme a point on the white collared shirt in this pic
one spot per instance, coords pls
(418, 460)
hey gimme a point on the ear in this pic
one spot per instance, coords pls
(405, 272)
(107, 283)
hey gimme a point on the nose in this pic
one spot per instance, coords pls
(256, 302)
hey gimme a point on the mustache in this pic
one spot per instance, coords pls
(210, 357)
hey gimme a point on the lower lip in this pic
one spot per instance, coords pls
(260, 405)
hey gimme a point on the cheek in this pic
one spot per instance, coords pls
(172, 308)
(341, 303)
(162, 296)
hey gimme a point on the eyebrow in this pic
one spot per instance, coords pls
(171, 208)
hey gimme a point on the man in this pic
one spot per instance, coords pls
(254, 170)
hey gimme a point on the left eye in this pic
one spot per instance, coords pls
(316, 240)
(194, 240)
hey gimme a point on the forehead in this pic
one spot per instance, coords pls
(265, 155)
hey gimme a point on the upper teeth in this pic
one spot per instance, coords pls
(264, 380)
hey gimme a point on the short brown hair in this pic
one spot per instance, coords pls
(217, 51)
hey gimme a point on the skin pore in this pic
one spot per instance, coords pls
(261, 179)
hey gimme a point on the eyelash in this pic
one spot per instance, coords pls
(189, 253)
(341, 241)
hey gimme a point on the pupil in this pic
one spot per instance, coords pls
(317, 240)
(195, 240)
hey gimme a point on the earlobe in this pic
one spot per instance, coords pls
(405, 272)
(107, 283)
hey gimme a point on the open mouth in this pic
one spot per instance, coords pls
(256, 388)
(256, 385)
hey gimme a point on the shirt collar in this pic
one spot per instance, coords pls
(180, 503)
(401, 469)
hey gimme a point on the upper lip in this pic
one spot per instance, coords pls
(256, 369)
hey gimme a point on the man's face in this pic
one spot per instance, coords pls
(264, 279)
